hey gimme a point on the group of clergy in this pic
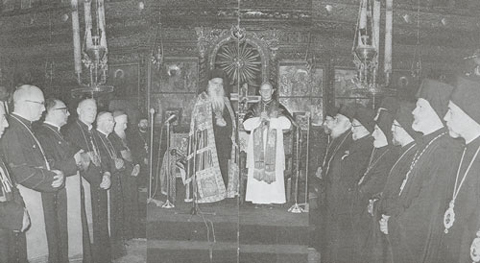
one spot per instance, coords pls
(67, 193)
(402, 185)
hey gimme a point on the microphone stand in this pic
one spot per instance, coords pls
(307, 162)
(150, 163)
(296, 208)
(168, 204)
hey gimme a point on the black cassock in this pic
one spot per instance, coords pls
(12, 244)
(388, 203)
(369, 188)
(346, 167)
(29, 168)
(467, 208)
(108, 155)
(81, 137)
(59, 153)
(416, 231)
(130, 189)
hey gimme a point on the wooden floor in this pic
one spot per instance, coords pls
(235, 233)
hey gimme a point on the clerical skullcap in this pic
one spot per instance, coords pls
(365, 117)
(347, 111)
(467, 96)
(404, 117)
(437, 94)
(118, 113)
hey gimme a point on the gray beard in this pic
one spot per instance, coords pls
(337, 131)
(216, 98)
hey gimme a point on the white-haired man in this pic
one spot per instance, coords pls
(95, 182)
(213, 134)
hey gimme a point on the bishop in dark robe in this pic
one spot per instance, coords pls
(14, 218)
(331, 171)
(63, 157)
(386, 206)
(369, 187)
(95, 182)
(346, 172)
(30, 168)
(461, 219)
(415, 231)
(129, 175)
(113, 163)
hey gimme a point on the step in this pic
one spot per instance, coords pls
(255, 226)
(224, 252)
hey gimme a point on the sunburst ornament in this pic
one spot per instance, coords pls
(240, 61)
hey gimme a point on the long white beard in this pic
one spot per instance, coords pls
(217, 99)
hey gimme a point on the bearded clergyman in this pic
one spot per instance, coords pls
(212, 136)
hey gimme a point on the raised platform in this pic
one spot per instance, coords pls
(236, 233)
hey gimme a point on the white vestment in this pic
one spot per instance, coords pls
(260, 192)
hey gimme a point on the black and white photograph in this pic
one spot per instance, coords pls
(239, 131)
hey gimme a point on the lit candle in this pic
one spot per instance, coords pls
(76, 37)
(388, 38)
(376, 26)
(88, 23)
(101, 23)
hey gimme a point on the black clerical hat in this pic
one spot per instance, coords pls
(216, 73)
(384, 122)
(467, 96)
(437, 94)
(331, 111)
(347, 111)
(404, 117)
(390, 104)
(365, 117)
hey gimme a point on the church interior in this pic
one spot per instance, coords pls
(157, 55)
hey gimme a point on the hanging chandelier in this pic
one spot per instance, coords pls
(93, 53)
(366, 47)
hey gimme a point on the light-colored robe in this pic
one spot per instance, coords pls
(260, 192)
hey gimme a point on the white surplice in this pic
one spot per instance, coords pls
(260, 192)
